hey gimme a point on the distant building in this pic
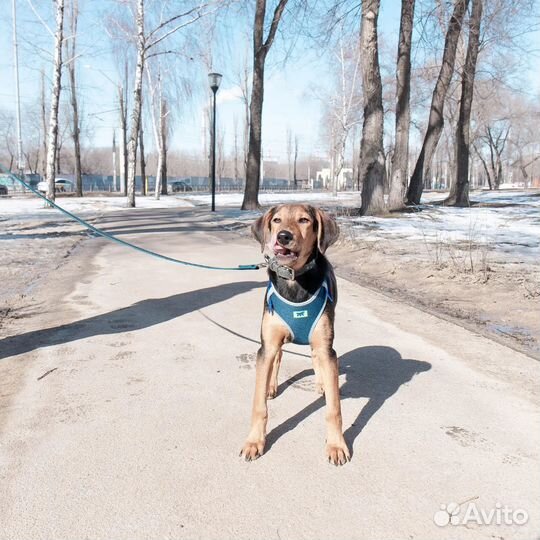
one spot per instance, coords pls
(323, 179)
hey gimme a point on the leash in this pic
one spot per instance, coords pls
(113, 238)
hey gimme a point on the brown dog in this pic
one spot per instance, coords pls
(299, 307)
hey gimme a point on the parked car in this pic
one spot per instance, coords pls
(61, 185)
(179, 185)
(3, 189)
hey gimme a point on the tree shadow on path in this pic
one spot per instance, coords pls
(140, 315)
(375, 373)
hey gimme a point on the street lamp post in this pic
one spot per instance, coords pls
(214, 80)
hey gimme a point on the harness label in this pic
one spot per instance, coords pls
(300, 314)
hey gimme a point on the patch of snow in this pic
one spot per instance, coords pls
(513, 228)
(36, 206)
(266, 199)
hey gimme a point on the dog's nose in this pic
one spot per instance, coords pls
(284, 237)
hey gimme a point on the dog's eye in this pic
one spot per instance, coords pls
(303, 220)
(276, 220)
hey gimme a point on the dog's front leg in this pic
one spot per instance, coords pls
(254, 445)
(273, 382)
(336, 447)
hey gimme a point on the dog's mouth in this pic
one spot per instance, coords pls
(283, 254)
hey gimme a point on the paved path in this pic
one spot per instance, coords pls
(125, 394)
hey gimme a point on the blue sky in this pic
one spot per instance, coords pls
(289, 101)
(288, 93)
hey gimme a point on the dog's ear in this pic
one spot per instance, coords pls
(262, 226)
(327, 230)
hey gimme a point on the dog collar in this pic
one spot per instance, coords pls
(285, 271)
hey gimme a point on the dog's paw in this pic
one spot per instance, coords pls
(272, 392)
(319, 388)
(338, 454)
(252, 450)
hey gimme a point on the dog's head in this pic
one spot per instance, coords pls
(291, 232)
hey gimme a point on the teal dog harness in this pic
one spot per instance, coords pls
(300, 318)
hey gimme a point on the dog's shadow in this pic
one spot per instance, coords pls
(374, 372)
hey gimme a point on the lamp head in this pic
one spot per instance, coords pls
(214, 79)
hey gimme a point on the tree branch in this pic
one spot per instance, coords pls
(175, 18)
(40, 18)
(275, 21)
(198, 16)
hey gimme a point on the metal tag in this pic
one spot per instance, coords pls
(285, 272)
(282, 271)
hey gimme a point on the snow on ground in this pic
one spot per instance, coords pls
(509, 223)
(35, 205)
(235, 199)
(106, 203)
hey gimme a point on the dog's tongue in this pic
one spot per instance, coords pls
(280, 250)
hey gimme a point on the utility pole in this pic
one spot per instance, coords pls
(20, 164)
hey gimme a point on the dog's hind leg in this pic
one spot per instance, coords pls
(273, 384)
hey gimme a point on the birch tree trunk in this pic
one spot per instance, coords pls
(137, 104)
(43, 106)
(289, 155)
(246, 120)
(55, 100)
(295, 176)
(157, 110)
(260, 50)
(400, 158)
(142, 161)
(123, 141)
(158, 128)
(163, 113)
(161, 137)
(157, 187)
(459, 194)
(71, 49)
(372, 160)
(235, 148)
(436, 113)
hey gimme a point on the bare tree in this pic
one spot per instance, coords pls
(71, 62)
(142, 161)
(245, 100)
(122, 107)
(400, 157)
(459, 194)
(524, 140)
(289, 154)
(43, 110)
(163, 132)
(137, 104)
(146, 41)
(235, 150)
(55, 100)
(157, 110)
(261, 47)
(7, 134)
(436, 113)
(221, 161)
(372, 157)
(343, 105)
(295, 177)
